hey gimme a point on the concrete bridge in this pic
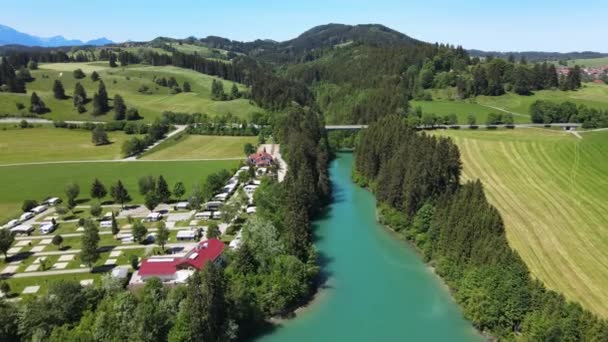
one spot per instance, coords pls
(359, 127)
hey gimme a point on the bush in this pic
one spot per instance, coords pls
(20, 106)
(133, 114)
(81, 222)
(96, 209)
(29, 205)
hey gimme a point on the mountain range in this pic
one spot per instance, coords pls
(10, 36)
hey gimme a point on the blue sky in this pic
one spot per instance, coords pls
(515, 25)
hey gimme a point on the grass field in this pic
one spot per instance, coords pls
(462, 109)
(200, 147)
(38, 181)
(592, 95)
(126, 82)
(43, 144)
(552, 191)
(591, 62)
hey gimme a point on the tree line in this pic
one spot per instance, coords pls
(567, 112)
(417, 185)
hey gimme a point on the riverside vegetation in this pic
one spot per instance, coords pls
(462, 236)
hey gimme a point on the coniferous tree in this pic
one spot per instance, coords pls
(234, 91)
(37, 106)
(94, 76)
(99, 136)
(120, 194)
(120, 108)
(100, 100)
(162, 190)
(187, 87)
(98, 190)
(78, 74)
(112, 60)
(89, 252)
(58, 90)
(80, 95)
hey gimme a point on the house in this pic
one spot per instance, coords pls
(182, 206)
(48, 228)
(186, 235)
(175, 270)
(154, 216)
(260, 159)
(26, 216)
(204, 215)
(39, 209)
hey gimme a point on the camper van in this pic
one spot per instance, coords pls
(213, 205)
(48, 228)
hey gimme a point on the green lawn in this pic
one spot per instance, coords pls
(200, 147)
(552, 191)
(42, 144)
(126, 82)
(38, 181)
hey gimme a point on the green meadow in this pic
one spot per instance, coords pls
(39, 181)
(200, 147)
(552, 192)
(43, 144)
(444, 103)
(125, 81)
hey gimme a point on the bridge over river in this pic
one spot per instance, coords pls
(359, 127)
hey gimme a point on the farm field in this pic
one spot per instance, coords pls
(125, 81)
(200, 147)
(592, 95)
(43, 144)
(552, 192)
(462, 109)
(38, 181)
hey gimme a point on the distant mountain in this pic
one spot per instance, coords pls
(10, 36)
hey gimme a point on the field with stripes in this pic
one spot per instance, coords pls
(552, 191)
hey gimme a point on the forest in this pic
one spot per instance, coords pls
(462, 236)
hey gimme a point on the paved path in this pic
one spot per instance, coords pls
(504, 110)
(116, 248)
(178, 129)
(50, 273)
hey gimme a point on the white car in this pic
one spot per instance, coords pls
(26, 216)
(11, 224)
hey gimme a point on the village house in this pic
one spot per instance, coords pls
(260, 159)
(176, 270)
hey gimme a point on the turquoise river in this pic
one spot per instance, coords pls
(377, 288)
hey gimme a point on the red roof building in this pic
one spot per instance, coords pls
(260, 159)
(178, 269)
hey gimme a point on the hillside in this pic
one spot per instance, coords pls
(126, 81)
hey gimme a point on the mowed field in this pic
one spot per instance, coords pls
(125, 81)
(43, 144)
(200, 147)
(39, 181)
(552, 191)
(591, 95)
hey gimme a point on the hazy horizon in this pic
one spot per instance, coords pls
(514, 26)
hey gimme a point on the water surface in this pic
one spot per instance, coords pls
(378, 289)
